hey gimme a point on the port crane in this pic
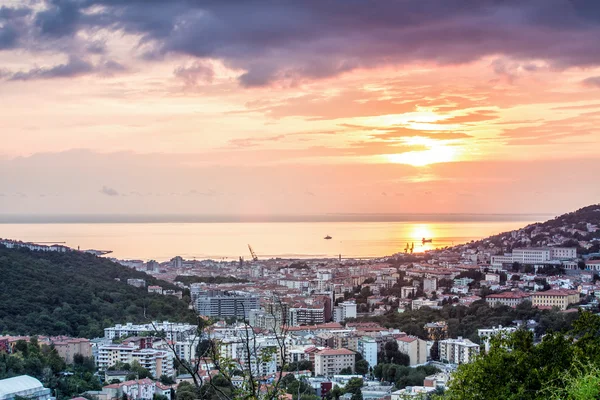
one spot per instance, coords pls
(409, 248)
(252, 253)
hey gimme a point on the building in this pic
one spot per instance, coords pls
(458, 351)
(23, 386)
(155, 289)
(511, 299)
(263, 320)
(367, 347)
(415, 348)
(555, 298)
(216, 303)
(417, 392)
(407, 291)
(418, 303)
(436, 330)
(536, 256)
(487, 334)
(137, 282)
(345, 310)
(171, 330)
(158, 362)
(429, 285)
(68, 347)
(329, 362)
(306, 315)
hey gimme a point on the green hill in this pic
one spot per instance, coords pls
(76, 294)
(568, 230)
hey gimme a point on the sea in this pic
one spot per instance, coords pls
(228, 237)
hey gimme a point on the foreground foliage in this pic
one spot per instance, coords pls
(76, 294)
(562, 366)
(44, 363)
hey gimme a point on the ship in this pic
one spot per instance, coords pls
(427, 240)
(328, 237)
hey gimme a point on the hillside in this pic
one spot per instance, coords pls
(579, 229)
(75, 294)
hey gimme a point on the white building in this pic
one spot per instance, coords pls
(429, 285)
(344, 310)
(488, 333)
(23, 386)
(536, 256)
(171, 330)
(158, 362)
(367, 347)
(458, 351)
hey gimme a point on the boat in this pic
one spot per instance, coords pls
(328, 237)
(427, 240)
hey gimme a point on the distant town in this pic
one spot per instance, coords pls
(328, 318)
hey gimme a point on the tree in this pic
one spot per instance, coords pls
(561, 366)
(392, 355)
(167, 380)
(361, 367)
(354, 386)
(346, 371)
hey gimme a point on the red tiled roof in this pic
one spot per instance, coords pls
(335, 352)
(509, 295)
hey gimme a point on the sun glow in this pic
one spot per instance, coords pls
(436, 153)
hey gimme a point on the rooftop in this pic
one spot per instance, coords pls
(18, 384)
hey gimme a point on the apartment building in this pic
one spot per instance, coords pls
(415, 348)
(511, 299)
(458, 351)
(68, 347)
(329, 362)
(555, 298)
(367, 347)
(306, 315)
(158, 362)
(345, 310)
(216, 303)
(172, 331)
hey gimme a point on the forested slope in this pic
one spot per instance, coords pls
(75, 294)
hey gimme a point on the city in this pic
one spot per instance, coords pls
(299, 200)
(329, 324)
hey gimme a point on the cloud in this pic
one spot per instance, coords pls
(198, 72)
(292, 41)
(108, 191)
(593, 81)
(74, 67)
(60, 19)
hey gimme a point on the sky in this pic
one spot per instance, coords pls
(299, 107)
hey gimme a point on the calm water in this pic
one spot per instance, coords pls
(162, 241)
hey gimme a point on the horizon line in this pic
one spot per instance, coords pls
(267, 218)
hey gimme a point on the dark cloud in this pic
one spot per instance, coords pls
(8, 37)
(74, 67)
(287, 40)
(60, 19)
(96, 47)
(108, 191)
(593, 81)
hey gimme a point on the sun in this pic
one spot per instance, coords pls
(436, 153)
